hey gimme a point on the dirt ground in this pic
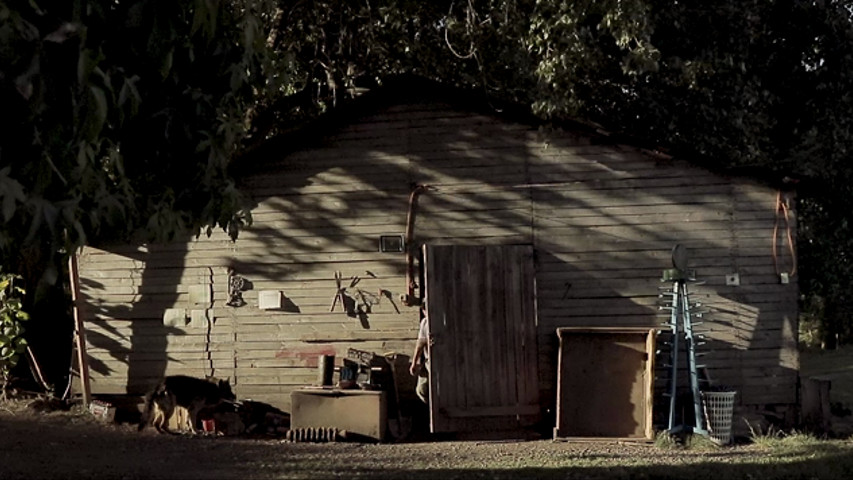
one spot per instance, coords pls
(73, 444)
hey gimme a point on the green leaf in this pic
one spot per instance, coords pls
(97, 112)
(12, 193)
(129, 95)
(85, 65)
(166, 64)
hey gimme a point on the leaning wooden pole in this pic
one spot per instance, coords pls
(79, 332)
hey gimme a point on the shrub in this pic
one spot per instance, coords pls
(12, 342)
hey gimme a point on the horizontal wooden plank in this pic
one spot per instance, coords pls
(546, 253)
(165, 343)
(331, 336)
(720, 232)
(484, 209)
(421, 144)
(107, 356)
(338, 260)
(156, 349)
(296, 303)
(628, 282)
(157, 343)
(344, 324)
(639, 190)
(95, 277)
(565, 207)
(755, 379)
(365, 161)
(632, 185)
(293, 379)
(357, 176)
(140, 384)
(311, 284)
(493, 411)
(297, 349)
(147, 372)
(224, 317)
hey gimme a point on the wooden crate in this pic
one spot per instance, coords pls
(361, 413)
(604, 383)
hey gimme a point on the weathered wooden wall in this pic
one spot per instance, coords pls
(602, 219)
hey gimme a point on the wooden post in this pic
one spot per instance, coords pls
(651, 346)
(815, 405)
(79, 332)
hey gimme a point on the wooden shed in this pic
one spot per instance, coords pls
(509, 230)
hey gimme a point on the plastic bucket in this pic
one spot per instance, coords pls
(208, 425)
(719, 410)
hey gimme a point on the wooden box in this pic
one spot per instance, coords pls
(359, 412)
(605, 383)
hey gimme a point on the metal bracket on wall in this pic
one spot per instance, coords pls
(236, 285)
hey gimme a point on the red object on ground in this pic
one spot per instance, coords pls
(208, 425)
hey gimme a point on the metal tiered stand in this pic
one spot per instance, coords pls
(676, 299)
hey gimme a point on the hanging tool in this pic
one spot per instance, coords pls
(339, 292)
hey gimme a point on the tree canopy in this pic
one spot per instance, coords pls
(121, 117)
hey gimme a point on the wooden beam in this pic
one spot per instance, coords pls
(79, 331)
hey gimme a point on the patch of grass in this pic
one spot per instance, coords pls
(666, 441)
(775, 439)
(768, 439)
(699, 443)
(688, 441)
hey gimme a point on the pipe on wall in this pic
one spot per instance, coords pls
(417, 190)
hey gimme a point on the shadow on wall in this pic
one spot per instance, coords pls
(568, 296)
(130, 328)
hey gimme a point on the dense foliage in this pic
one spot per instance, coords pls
(12, 341)
(121, 118)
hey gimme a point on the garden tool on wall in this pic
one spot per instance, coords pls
(340, 293)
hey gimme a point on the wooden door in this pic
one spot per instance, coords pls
(483, 363)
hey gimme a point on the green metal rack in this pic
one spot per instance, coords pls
(676, 299)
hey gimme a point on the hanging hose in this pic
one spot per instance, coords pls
(782, 207)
